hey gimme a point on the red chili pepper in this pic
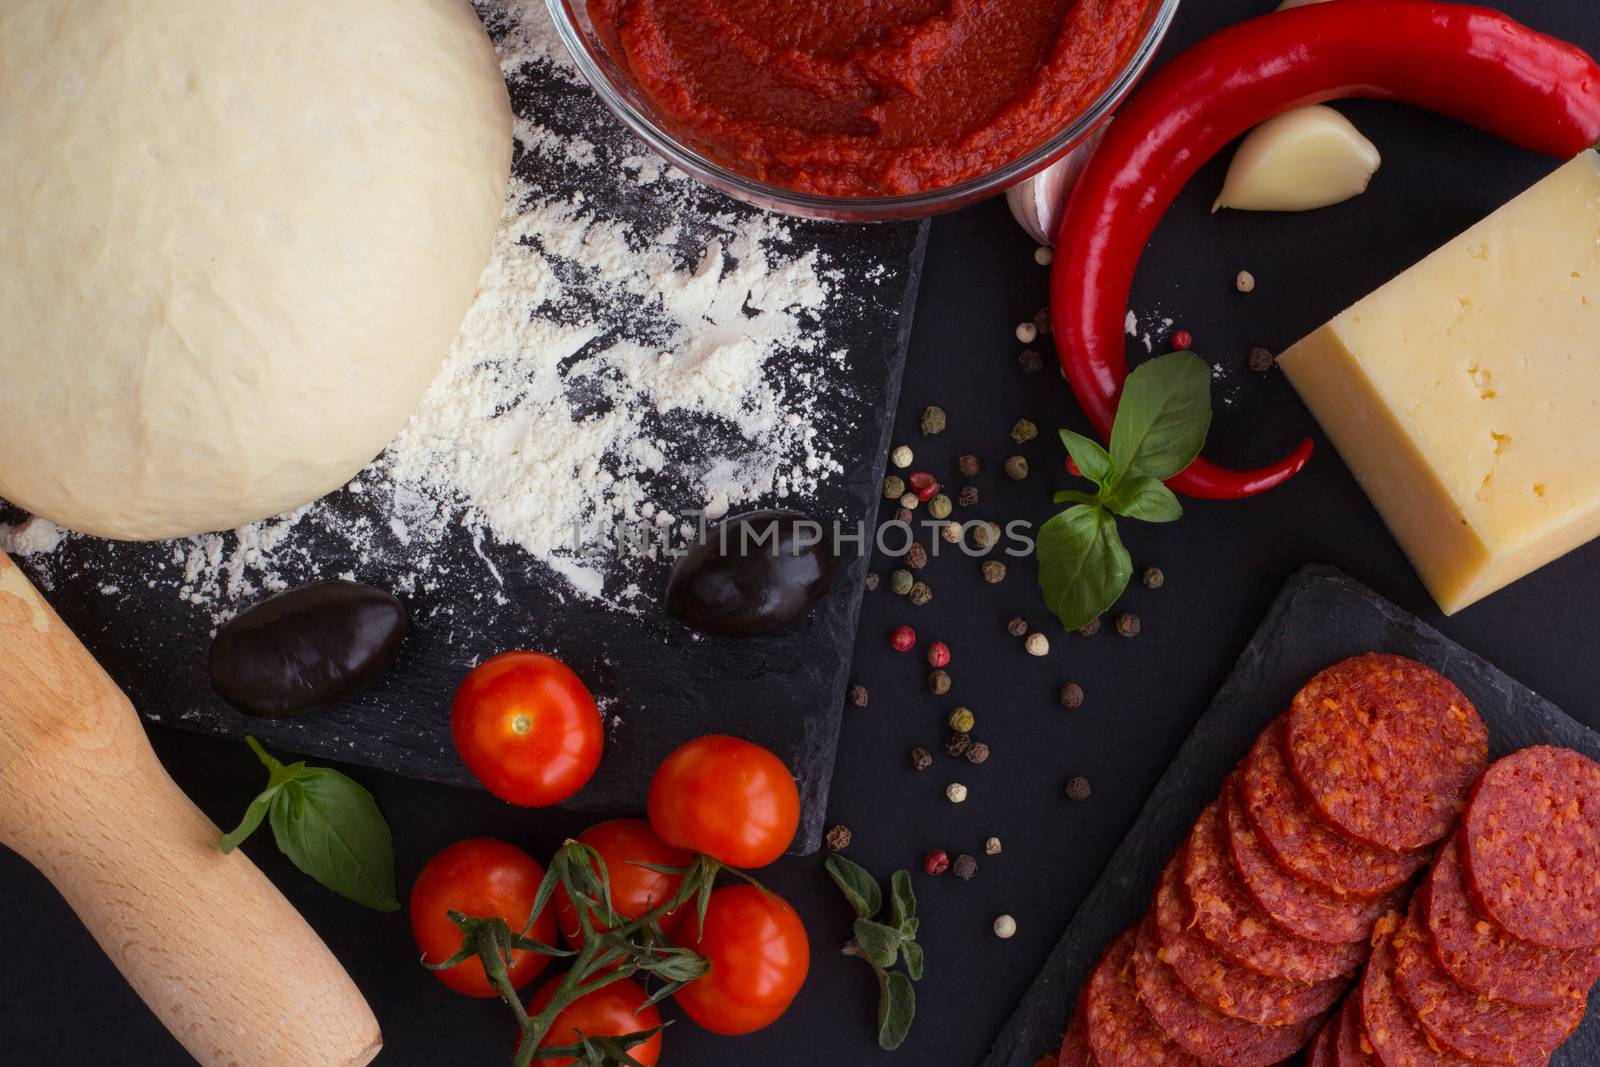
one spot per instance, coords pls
(1471, 63)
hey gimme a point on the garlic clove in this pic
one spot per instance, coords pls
(1307, 158)
(1037, 202)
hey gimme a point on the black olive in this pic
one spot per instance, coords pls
(306, 648)
(753, 573)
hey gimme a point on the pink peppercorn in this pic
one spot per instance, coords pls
(902, 639)
(924, 485)
(1182, 341)
(938, 654)
(936, 862)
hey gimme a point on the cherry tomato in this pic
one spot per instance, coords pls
(610, 1011)
(732, 800)
(759, 956)
(481, 878)
(623, 844)
(527, 727)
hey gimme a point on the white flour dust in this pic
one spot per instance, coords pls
(631, 358)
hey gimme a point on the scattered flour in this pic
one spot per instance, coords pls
(623, 368)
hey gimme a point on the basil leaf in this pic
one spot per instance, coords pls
(1083, 567)
(331, 829)
(1092, 460)
(879, 944)
(858, 887)
(277, 775)
(1163, 416)
(1073, 496)
(911, 952)
(897, 1007)
(1143, 497)
(902, 901)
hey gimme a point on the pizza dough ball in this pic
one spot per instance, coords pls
(238, 239)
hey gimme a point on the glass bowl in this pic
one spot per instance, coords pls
(619, 93)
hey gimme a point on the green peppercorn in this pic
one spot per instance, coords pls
(894, 487)
(939, 683)
(1024, 431)
(940, 507)
(901, 581)
(962, 720)
(920, 593)
(993, 571)
(985, 534)
(1017, 468)
(933, 419)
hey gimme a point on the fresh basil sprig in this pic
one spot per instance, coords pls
(1160, 428)
(328, 826)
(883, 945)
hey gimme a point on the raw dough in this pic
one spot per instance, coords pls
(237, 241)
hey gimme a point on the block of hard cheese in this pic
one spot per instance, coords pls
(1465, 394)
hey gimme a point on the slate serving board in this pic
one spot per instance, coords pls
(658, 684)
(1320, 617)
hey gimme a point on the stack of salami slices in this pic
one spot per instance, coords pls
(1495, 959)
(1264, 915)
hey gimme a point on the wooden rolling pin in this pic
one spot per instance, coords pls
(216, 951)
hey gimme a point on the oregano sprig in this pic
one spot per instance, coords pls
(884, 945)
(1161, 425)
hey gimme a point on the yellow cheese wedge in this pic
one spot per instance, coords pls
(1465, 394)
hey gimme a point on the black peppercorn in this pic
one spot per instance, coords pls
(1031, 360)
(1128, 624)
(939, 683)
(1261, 360)
(916, 557)
(969, 466)
(957, 744)
(1153, 578)
(859, 695)
(872, 581)
(968, 496)
(838, 838)
(1072, 695)
(903, 515)
(978, 753)
(1017, 627)
(965, 867)
(921, 759)
(1090, 628)
(1078, 788)
(1041, 321)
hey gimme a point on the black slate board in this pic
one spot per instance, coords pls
(1320, 617)
(658, 683)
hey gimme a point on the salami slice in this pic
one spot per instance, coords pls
(1120, 1032)
(1530, 847)
(1459, 1021)
(1481, 956)
(1320, 1054)
(1351, 1048)
(1296, 905)
(1297, 840)
(1222, 984)
(1227, 917)
(1075, 1045)
(1391, 1027)
(1204, 1032)
(1386, 748)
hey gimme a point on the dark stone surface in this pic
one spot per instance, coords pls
(1321, 617)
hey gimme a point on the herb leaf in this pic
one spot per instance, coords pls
(1092, 459)
(911, 951)
(1083, 567)
(880, 944)
(858, 886)
(1142, 497)
(897, 1007)
(1162, 417)
(902, 901)
(331, 829)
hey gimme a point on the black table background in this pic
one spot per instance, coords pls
(63, 1005)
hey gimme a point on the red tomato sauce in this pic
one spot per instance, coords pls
(869, 97)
